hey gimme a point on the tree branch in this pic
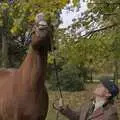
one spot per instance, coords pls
(98, 30)
(109, 14)
(109, 3)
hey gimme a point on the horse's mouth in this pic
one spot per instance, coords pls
(43, 27)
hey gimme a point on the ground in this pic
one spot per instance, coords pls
(74, 99)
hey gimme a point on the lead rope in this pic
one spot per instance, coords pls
(57, 78)
(61, 103)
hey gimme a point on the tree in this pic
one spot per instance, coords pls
(18, 16)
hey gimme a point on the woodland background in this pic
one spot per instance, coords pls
(84, 51)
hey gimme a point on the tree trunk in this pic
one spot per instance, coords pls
(4, 39)
(4, 51)
(116, 71)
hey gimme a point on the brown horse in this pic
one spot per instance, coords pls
(23, 95)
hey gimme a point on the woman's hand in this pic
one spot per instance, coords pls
(58, 108)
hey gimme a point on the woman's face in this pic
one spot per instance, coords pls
(101, 91)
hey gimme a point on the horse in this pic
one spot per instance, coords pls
(23, 95)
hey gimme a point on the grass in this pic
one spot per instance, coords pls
(74, 99)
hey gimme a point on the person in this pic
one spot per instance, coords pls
(100, 107)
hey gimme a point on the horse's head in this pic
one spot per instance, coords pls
(41, 34)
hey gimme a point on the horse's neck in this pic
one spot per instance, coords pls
(34, 66)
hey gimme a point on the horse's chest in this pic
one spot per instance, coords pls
(34, 106)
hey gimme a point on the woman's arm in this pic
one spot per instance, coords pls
(68, 112)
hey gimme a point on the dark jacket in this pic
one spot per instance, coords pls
(85, 112)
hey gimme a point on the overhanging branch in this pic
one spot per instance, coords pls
(98, 30)
(110, 14)
(109, 3)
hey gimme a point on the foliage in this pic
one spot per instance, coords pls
(77, 55)
(22, 13)
(102, 46)
(70, 79)
(17, 16)
(71, 64)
